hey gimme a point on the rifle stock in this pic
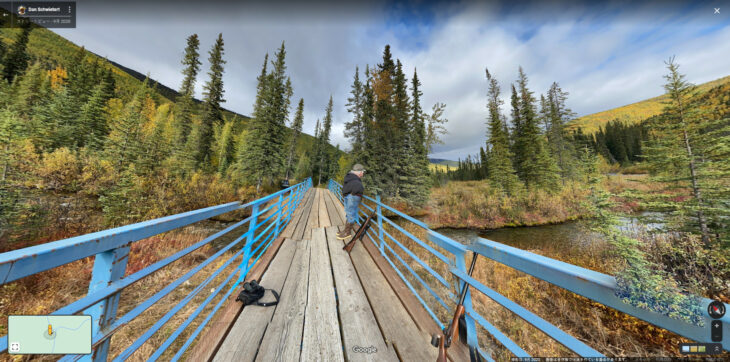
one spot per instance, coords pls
(359, 234)
(451, 333)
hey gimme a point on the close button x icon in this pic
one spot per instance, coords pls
(717, 10)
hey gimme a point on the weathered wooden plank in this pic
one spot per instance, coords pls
(321, 340)
(296, 215)
(398, 328)
(283, 338)
(313, 221)
(300, 212)
(303, 222)
(357, 321)
(332, 205)
(242, 342)
(212, 338)
(459, 351)
(324, 219)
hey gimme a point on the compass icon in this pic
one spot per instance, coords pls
(716, 309)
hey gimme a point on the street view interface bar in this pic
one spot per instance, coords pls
(48, 14)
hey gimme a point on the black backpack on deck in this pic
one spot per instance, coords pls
(252, 292)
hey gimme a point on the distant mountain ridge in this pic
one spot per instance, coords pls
(441, 161)
(635, 112)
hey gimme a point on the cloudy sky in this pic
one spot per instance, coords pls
(605, 55)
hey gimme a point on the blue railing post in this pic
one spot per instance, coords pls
(380, 223)
(109, 266)
(278, 217)
(471, 329)
(252, 225)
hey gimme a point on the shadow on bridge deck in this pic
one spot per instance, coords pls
(333, 306)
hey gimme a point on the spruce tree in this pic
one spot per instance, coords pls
(688, 150)
(323, 158)
(401, 134)
(250, 157)
(383, 156)
(81, 77)
(537, 166)
(224, 146)
(124, 145)
(500, 170)
(16, 58)
(558, 115)
(185, 103)
(29, 91)
(109, 83)
(369, 155)
(516, 142)
(93, 118)
(354, 129)
(58, 121)
(419, 163)
(296, 129)
(212, 99)
(261, 155)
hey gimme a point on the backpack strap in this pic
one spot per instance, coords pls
(268, 304)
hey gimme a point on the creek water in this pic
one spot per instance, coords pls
(572, 236)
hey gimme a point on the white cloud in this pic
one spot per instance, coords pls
(604, 57)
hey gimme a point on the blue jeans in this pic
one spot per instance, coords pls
(351, 204)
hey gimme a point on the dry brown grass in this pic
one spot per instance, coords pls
(604, 329)
(475, 204)
(45, 292)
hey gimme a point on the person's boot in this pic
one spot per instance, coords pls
(345, 232)
(342, 232)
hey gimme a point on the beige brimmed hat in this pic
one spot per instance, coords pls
(358, 168)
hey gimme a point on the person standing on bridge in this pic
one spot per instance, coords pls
(352, 191)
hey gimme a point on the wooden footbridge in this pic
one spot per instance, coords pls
(381, 302)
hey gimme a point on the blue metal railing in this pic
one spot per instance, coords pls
(588, 283)
(111, 249)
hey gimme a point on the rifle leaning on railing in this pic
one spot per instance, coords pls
(449, 334)
(360, 232)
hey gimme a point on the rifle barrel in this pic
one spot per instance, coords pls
(462, 296)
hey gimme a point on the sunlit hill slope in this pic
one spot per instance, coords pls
(639, 111)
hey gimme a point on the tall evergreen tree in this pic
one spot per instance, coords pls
(323, 159)
(418, 164)
(500, 170)
(185, 103)
(383, 156)
(29, 90)
(124, 146)
(516, 142)
(212, 99)
(16, 58)
(689, 150)
(261, 156)
(557, 116)
(93, 118)
(224, 146)
(296, 128)
(535, 163)
(58, 120)
(354, 130)
(401, 134)
(81, 78)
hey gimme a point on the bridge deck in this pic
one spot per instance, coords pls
(333, 306)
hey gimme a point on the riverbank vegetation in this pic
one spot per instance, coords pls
(683, 154)
(85, 146)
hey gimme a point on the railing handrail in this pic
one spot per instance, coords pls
(593, 285)
(112, 248)
(16, 264)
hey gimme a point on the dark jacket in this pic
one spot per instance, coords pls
(352, 185)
